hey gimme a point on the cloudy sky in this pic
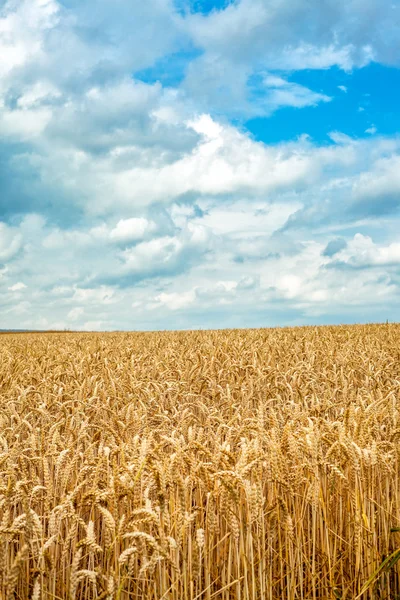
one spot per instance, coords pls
(174, 164)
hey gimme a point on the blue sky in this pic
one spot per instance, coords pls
(193, 163)
(370, 100)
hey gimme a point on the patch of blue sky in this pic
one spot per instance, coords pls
(364, 102)
(169, 70)
(204, 7)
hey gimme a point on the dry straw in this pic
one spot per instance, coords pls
(256, 465)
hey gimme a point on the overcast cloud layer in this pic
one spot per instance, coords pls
(133, 194)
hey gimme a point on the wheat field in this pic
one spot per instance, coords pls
(254, 464)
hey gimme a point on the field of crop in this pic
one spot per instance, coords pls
(258, 464)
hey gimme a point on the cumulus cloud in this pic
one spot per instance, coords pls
(361, 252)
(174, 300)
(10, 242)
(132, 230)
(287, 36)
(223, 161)
(167, 255)
(334, 246)
(125, 199)
(282, 30)
(256, 236)
(377, 190)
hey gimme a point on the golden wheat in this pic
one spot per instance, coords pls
(258, 464)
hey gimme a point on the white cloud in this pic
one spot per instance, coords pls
(250, 35)
(167, 254)
(372, 130)
(313, 56)
(75, 313)
(21, 29)
(305, 35)
(224, 161)
(242, 91)
(132, 230)
(24, 124)
(280, 92)
(142, 195)
(102, 295)
(221, 247)
(290, 285)
(381, 181)
(17, 287)
(160, 253)
(246, 217)
(39, 92)
(31, 29)
(363, 252)
(10, 242)
(175, 301)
